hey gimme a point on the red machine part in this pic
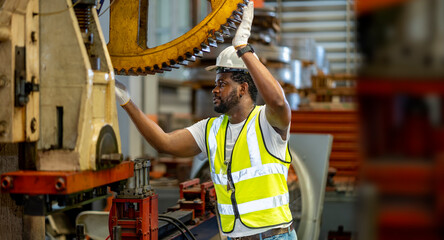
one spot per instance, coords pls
(196, 196)
(63, 182)
(138, 218)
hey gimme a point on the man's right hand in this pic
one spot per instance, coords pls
(122, 94)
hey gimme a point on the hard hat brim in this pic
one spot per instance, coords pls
(211, 68)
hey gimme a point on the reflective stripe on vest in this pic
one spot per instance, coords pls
(253, 145)
(249, 173)
(254, 206)
(212, 145)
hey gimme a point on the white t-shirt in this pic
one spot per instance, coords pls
(273, 141)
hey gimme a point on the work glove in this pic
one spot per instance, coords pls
(122, 94)
(244, 29)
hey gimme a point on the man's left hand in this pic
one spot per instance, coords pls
(244, 29)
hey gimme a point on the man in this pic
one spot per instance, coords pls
(246, 146)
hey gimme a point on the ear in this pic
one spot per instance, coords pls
(243, 88)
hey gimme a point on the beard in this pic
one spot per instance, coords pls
(225, 105)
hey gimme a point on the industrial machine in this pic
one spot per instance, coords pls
(134, 211)
(61, 105)
(58, 121)
(58, 111)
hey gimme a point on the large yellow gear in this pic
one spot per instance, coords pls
(128, 37)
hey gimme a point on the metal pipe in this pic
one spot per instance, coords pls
(136, 171)
(141, 182)
(117, 233)
(130, 184)
(146, 176)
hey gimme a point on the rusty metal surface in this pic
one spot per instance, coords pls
(139, 222)
(63, 182)
(127, 44)
(200, 197)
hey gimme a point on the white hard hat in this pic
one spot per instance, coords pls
(228, 59)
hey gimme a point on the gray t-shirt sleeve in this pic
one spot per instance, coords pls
(198, 132)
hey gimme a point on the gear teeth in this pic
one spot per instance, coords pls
(157, 69)
(205, 47)
(232, 23)
(215, 36)
(182, 61)
(190, 57)
(123, 72)
(225, 30)
(212, 42)
(131, 72)
(149, 71)
(235, 18)
(166, 67)
(198, 53)
(219, 37)
(238, 14)
(173, 64)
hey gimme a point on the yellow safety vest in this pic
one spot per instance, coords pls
(253, 185)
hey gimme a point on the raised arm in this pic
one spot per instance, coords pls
(278, 111)
(179, 143)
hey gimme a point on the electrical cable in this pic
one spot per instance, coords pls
(99, 5)
(180, 222)
(111, 2)
(177, 226)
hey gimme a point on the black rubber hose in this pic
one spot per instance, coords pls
(177, 226)
(180, 222)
